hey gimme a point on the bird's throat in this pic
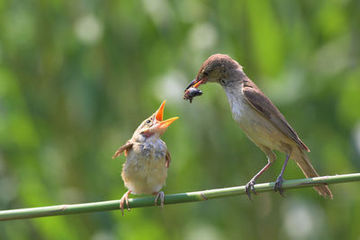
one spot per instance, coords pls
(236, 101)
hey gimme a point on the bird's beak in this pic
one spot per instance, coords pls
(161, 125)
(196, 83)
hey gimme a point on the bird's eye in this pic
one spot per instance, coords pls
(148, 121)
(222, 81)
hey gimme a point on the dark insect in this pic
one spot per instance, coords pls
(190, 93)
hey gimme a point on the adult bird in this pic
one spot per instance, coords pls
(258, 117)
(147, 158)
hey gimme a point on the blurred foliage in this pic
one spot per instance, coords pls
(77, 77)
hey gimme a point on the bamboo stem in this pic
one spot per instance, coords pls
(169, 199)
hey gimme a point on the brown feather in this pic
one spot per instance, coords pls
(167, 159)
(257, 99)
(124, 148)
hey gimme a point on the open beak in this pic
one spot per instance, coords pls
(161, 125)
(195, 83)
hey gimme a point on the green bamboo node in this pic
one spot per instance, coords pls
(67, 209)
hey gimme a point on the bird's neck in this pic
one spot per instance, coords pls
(235, 98)
(141, 138)
(235, 95)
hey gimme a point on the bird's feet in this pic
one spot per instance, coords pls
(249, 187)
(125, 199)
(278, 185)
(160, 195)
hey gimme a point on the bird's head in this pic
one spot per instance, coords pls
(154, 125)
(217, 68)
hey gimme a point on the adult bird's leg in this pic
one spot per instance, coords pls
(249, 187)
(160, 195)
(125, 199)
(280, 178)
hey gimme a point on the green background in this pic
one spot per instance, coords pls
(77, 77)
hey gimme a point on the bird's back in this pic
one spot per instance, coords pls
(260, 130)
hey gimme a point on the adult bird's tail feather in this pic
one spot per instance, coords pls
(304, 163)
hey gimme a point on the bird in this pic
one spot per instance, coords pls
(259, 118)
(147, 158)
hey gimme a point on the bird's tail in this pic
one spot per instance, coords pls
(304, 163)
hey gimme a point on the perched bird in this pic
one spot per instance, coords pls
(258, 117)
(147, 158)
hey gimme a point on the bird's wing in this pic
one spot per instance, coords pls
(167, 159)
(124, 148)
(267, 109)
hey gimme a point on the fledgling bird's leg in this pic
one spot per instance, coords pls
(271, 157)
(160, 195)
(280, 178)
(125, 199)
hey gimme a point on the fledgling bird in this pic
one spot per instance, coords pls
(147, 158)
(258, 117)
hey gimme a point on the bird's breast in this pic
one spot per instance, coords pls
(144, 171)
